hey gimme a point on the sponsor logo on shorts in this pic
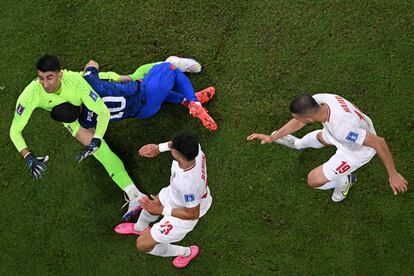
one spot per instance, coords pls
(189, 198)
(20, 109)
(93, 95)
(352, 136)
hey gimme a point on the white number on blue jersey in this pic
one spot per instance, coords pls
(116, 112)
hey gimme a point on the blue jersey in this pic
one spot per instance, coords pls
(138, 99)
(120, 107)
(122, 99)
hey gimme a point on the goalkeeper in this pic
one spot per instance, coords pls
(53, 87)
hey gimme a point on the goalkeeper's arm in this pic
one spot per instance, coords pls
(24, 108)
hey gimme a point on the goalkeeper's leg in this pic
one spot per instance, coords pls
(111, 162)
(114, 166)
(116, 170)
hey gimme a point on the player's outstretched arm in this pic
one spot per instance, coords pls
(149, 150)
(153, 150)
(290, 127)
(24, 108)
(397, 182)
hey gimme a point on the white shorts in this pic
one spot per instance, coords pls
(339, 165)
(171, 229)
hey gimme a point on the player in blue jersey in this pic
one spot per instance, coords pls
(142, 93)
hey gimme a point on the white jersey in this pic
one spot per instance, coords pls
(188, 188)
(346, 127)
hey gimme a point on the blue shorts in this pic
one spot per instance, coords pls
(155, 87)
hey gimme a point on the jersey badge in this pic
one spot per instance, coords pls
(20, 109)
(93, 95)
(189, 198)
(352, 136)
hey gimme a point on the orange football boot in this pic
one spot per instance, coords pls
(201, 113)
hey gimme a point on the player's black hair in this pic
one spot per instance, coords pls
(187, 145)
(303, 105)
(65, 112)
(48, 63)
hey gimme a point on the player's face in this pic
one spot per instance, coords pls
(50, 80)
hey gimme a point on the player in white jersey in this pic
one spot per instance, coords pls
(182, 203)
(346, 128)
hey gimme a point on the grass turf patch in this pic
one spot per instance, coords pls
(258, 54)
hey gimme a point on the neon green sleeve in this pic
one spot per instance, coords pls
(26, 103)
(142, 71)
(93, 102)
(111, 76)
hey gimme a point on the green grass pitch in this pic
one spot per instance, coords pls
(258, 54)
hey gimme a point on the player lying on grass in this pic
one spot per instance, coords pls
(52, 87)
(123, 102)
(181, 204)
(346, 128)
(141, 94)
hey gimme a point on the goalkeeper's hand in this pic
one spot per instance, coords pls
(36, 165)
(89, 149)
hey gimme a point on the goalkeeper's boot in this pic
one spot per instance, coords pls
(203, 96)
(201, 113)
(127, 228)
(186, 65)
(342, 189)
(134, 206)
(181, 261)
(287, 141)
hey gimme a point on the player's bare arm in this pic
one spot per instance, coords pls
(186, 213)
(25, 152)
(153, 150)
(153, 205)
(397, 182)
(290, 127)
